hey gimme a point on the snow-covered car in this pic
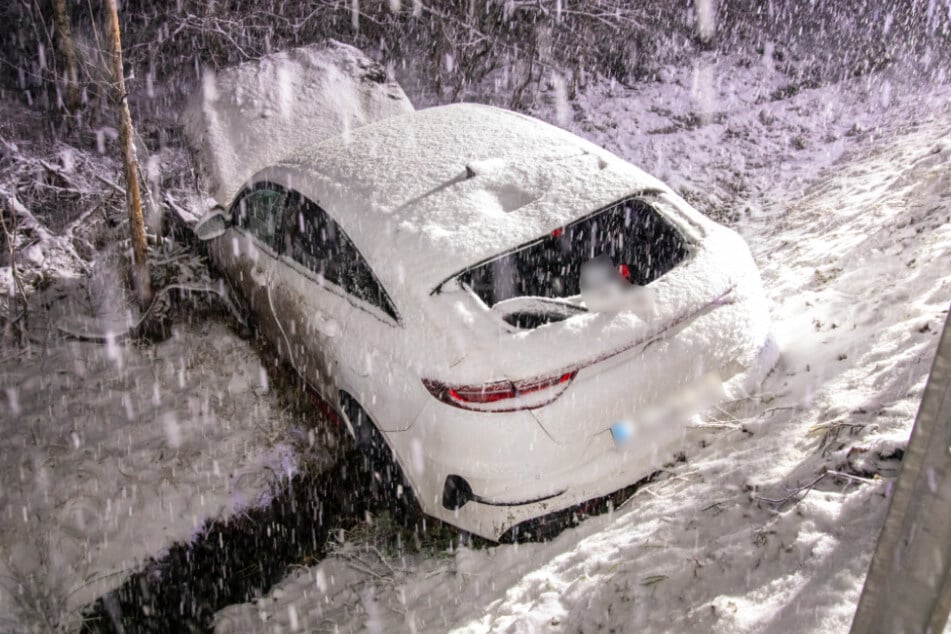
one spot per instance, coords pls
(523, 319)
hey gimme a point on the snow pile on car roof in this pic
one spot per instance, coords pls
(253, 115)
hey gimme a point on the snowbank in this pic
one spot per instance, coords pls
(252, 115)
(112, 453)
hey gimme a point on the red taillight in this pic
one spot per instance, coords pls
(492, 397)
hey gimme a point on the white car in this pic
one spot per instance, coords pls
(523, 319)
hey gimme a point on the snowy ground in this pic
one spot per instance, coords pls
(112, 452)
(844, 194)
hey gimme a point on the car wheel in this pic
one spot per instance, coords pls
(388, 483)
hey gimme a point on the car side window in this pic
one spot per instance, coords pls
(312, 238)
(258, 211)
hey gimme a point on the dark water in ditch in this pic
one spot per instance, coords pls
(239, 558)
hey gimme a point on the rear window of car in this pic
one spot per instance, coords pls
(637, 238)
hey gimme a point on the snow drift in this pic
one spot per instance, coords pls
(253, 115)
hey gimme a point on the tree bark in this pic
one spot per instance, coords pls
(706, 18)
(72, 95)
(140, 263)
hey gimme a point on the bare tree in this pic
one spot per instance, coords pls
(72, 95)
(140, 263)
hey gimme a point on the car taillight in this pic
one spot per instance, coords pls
(502, 396)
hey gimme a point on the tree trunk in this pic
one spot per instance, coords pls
(140, 263)
(706, 18)
(72, 96)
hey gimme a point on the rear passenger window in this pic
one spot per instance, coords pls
(258, 211)
(314, 240)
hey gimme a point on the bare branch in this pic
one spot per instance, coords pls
(794, 493)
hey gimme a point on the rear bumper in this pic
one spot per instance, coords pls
(517, 472)
(544, 477)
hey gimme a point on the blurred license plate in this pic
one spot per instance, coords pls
(622, 431)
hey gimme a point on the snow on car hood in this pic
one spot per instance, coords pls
(427, 194)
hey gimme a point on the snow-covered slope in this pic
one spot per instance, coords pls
(113, 452)
(844, 194)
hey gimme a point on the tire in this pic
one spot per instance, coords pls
(388, 484)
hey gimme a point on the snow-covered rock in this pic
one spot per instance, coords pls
(252, 115)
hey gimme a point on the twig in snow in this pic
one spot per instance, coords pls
(197, 288)
(737, 423)
(760, 396)
(82, 219)
(386, 563)
(850, 476)
(96, 578)
(794, 493)
(828, 426)
(359, 565)
(109, 183)
(69, 328)
(60, 174)
(778, 408)
(830, 430)
(716, 425)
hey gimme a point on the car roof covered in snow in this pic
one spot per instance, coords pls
(427, 194)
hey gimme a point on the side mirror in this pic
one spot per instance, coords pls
(212, 224)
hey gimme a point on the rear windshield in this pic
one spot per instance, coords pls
(632, 233)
